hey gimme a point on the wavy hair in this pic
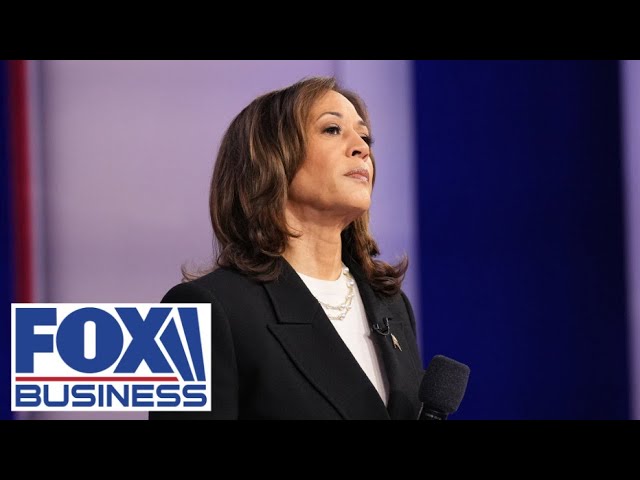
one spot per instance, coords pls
(259, 155)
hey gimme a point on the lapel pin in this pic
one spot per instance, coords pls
(396, 344)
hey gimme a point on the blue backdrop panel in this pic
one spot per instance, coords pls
(521, 234)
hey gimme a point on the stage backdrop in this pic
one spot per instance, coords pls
(513, 185)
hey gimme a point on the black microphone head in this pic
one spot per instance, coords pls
(444, 384)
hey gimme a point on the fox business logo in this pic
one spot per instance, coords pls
(114, 357)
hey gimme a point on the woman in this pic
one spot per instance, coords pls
(305, 323)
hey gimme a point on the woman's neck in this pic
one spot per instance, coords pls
(315, 257)
(317, 252)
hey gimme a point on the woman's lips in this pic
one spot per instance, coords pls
(360, 174)
(361, 178)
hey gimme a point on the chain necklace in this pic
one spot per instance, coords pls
(338, 312)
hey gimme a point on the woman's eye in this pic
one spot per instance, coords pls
(333, 130)
(367, 139)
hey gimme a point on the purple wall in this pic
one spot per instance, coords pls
(129, 147)
(127, 150)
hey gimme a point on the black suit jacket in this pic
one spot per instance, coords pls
(276, 355)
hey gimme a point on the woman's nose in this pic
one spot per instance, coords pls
(360, 149)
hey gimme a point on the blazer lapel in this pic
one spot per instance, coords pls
(399, 366)
(312, 343)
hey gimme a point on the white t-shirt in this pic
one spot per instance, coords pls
(353, 329)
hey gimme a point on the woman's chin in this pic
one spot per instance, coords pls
(362, 202)
(357, 208)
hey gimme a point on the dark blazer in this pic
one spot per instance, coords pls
(276, 355)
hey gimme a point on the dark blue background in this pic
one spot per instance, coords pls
(521, 234)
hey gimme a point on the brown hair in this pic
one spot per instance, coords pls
(260, 153)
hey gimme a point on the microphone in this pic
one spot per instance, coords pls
(442, 388)
(384, 328)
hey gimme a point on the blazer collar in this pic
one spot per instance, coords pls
(306, 333)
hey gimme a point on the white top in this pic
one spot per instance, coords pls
(354, 329)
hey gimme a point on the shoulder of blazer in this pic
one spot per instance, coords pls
(223, 279)
(222, 285)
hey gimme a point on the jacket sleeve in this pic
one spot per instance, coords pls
(412, 318)
(224, 374)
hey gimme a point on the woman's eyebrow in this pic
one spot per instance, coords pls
(339, 115)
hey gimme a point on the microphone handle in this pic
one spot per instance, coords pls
(430, 414)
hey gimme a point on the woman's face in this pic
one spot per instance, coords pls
(335, 176)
